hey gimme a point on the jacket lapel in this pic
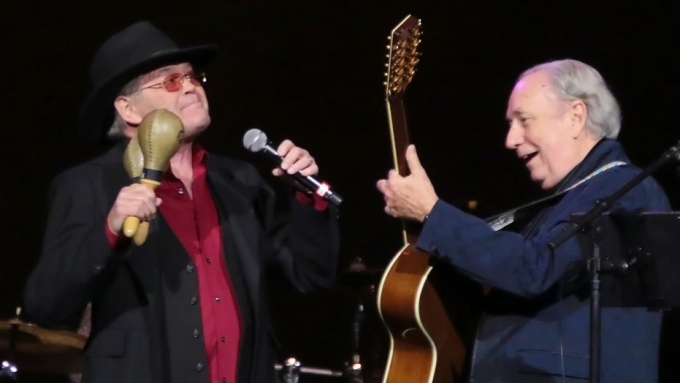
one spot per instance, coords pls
(236, 218)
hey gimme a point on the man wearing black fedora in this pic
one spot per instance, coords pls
(188, 304)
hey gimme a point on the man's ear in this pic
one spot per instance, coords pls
(579, 115)
(127, 111)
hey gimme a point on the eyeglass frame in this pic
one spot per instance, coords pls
(200, 78)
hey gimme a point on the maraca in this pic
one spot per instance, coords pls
(160, 135)
(133, 160)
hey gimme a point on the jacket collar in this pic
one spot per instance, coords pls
(605, 151)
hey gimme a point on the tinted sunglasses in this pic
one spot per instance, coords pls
(173, 82)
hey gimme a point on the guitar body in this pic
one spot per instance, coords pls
(424, 345)
(418, 303)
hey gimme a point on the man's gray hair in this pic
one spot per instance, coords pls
(574, 80)
(117, 129)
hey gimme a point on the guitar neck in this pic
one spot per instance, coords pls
(396, 114)
(402, 59)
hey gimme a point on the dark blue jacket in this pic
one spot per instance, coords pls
(530, 331)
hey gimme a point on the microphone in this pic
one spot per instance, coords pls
(256, 141)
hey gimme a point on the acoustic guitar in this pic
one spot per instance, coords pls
(424, 344)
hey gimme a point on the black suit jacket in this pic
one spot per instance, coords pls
(146, 317)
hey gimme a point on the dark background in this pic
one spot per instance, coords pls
(312, 71)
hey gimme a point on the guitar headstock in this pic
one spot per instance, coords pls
(402, 56)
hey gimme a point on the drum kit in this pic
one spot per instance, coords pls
(28, 348)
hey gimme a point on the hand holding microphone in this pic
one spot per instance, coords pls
(256, 141)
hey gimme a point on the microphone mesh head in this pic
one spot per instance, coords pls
(254, 140)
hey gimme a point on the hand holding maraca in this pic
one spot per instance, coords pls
(160, 135)
(135, 200)
(133, 160)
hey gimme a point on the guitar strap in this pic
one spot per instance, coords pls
(502, 220)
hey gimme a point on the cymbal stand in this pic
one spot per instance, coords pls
(353, 369)
(8, 368)
(290, 371)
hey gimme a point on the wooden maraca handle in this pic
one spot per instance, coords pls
(142, 233)
(132, 224)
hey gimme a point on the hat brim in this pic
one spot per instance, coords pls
(97, 112)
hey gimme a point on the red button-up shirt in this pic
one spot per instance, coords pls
(196, 224)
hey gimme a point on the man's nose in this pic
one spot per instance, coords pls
(515, 136)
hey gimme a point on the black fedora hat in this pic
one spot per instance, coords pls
(137, 49)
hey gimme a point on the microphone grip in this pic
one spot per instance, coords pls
(305, 183)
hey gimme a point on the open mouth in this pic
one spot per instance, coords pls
(528, 157)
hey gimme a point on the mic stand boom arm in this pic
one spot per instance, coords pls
(606, 203)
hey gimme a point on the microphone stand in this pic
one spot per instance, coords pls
(590, 222)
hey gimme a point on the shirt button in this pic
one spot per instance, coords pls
(223, 339)
(190, 269)
(199, 367)
(217, 299)
(208, 260)
(196, 333)
(224, 380)
(193, 300)
(181, 191)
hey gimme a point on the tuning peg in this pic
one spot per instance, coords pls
(388, 56)
(389, 37)
(385, 74)
(384, 82)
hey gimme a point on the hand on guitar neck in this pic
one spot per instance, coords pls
(410, 197)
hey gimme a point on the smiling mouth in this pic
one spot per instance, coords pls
(528, 157)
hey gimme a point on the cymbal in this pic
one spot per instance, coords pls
(39, 350)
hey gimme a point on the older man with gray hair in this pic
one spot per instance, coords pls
(563, 125)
